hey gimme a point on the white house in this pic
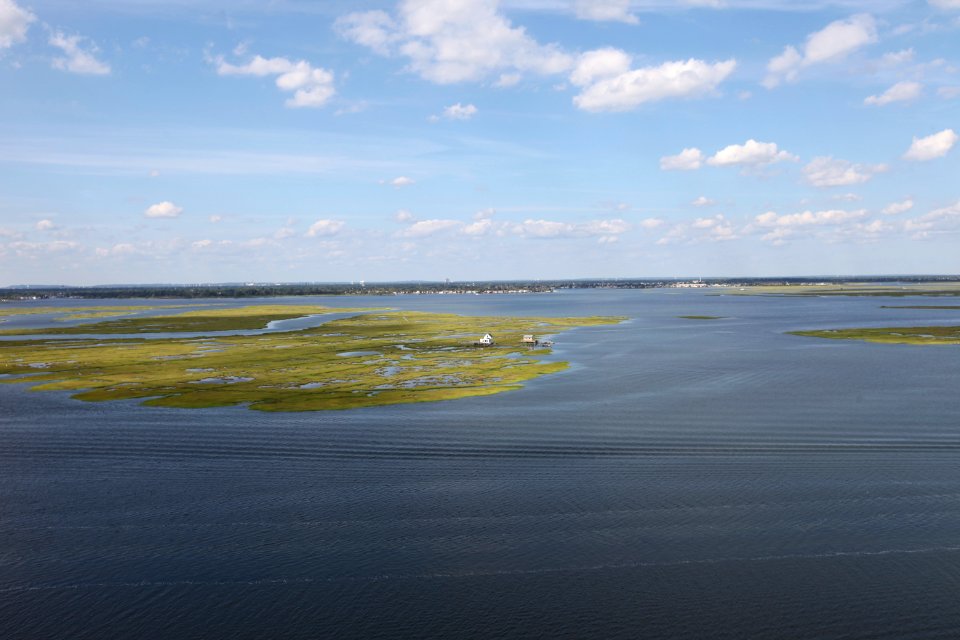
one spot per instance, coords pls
(486, 340)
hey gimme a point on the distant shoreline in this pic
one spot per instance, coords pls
(492, 287)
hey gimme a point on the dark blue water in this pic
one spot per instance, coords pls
(684, 479)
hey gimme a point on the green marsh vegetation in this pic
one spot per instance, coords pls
(82, 313)
(374, 358)
(890, 335)
(225, 319)
(853, 289)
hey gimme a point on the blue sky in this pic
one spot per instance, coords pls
(176, 141)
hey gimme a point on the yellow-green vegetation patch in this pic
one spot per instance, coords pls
(890, 335)
(83, 313)
(227, 319)
(384, 357)
(852, 289)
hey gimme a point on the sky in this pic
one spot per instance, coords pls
(179, 141)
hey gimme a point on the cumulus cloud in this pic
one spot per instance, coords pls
(895, 58)
(900, 92)
(608, 84)
(933, 146)
(600, 63)
(324, 228)
(703, 201)
(896, 208)
(715, 228)
(479, 227)
(603, 230)
(77, 59)
(14, 22)
(165, 209)
(946, 4)
(605, 11)
(934, 221)
(808, 218)
(687, 160)
(826, 171)
(750, 153)
(402, 181)
(311, 86)
(459, 111)
(403, 216)
(28, 249)
(45, 225)
(423, 228)
(450, 41)
(832, 43)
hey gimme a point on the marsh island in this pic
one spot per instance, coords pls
(371, 357)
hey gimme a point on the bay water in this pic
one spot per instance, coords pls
(683, 479)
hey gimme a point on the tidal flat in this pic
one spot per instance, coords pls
(377, 357)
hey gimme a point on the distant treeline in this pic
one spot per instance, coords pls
(395, 288)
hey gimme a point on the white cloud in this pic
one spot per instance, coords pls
(402, 181)
(808, 218)
(896, 208)
(604, 230)
(946, 4)
(311, 86)
(460, 111)
(600, 63)
(605, 11)
(895, 58)
(933, 146)
(14, 22)
(715, 228)
(900, 92)
(629, 89)
(848, 197)
(423, 228)
(215, 219)
(826, 171)
(651, 223)
(201, 244)
(948, 93)
(450, 41)
(45, 225)
(832, 43)
(165, 209)
(750, 153)
(937, 220)
(27, 249)
(703, 201)
(403, 216)
(479, 227)
(686, 160)
(77, 59)
(324, 228)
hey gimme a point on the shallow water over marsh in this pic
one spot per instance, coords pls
(682, 479)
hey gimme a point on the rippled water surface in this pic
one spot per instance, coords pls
(684, 479)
